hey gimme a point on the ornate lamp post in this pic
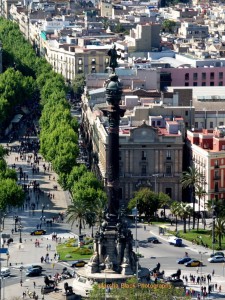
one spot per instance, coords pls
(20, 230)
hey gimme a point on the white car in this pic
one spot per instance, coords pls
(217, 258)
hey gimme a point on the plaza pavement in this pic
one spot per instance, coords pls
(26, 253)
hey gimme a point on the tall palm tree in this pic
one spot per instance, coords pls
(76, 212)
(164, 200)
(184, 212)
(200, 192)
(190, 179)
(219, 229)
(174, 208)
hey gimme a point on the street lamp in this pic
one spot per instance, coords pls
(21, 275)
(20, 230)
(213, 225)
(155, 187)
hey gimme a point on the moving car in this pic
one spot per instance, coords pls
(217, 258)
(38, 232)
(5, 272)
(217, 253)
(78, 264)
(193, 263)
(153, 240)
(183, 260)
(34, 267)
(175, 241)
(33, 272)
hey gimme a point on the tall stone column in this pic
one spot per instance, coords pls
(113, 112)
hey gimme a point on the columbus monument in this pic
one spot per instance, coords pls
(113, 256)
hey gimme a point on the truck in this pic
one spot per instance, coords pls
(173, 240)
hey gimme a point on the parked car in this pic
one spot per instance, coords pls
(78, 264)
(38, 232)
(193, 263)
(153, 240)
(216, 258)
(183, 260)
(217, 253)
(33, 272)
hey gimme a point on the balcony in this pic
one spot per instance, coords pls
(216, 166)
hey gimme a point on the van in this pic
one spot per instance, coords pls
(5, 272)
(175, 241)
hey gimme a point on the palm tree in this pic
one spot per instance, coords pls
(190, 179)
(219, 229)
(175, 211)
(164, 200)
(200, 192)
(76, 212)
(184, 212)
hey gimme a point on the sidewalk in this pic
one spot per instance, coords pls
(26, 253)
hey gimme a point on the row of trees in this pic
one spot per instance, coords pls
(59, 131)
(11, 194)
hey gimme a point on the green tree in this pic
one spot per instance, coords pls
(174, 208)
(184, 211)
(219, 229)
(147, 202)
(76, 212)
(11, 194)
(168, 26)
(164, 200)
(78, 85)
(200, 193)
(190, 179)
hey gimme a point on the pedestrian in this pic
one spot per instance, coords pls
(12, 230)
(47, 248)
(144, 227)
(34, 283)
(197, 270)
(215, 286)
(220, 289)
(213, 272)
(21, 282)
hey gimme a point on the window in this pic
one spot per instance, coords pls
(216, 163)
(195, 76)
(168, 170)
(210, 124)
(203, 76)
(186, 84)
(153, 123)
(80, 61)
(143, 170)
(93, 61)
(143, 155)
(220, 75)
(221, 123)
(195, 84)
(186, 76)
(158, 123)
(80, 70)
(168, 154)
(211, 83)
(196, 124)
(216, 187)
(186, 112)
(93, 69)
(220, 83)
(212, 75)
(203, 84)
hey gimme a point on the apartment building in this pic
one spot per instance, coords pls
(208, 156)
